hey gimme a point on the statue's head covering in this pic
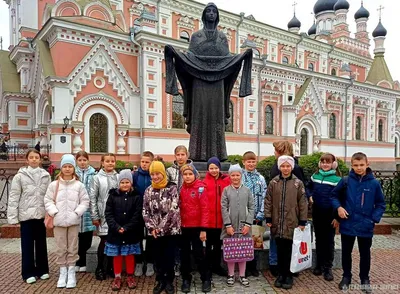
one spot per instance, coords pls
(203, 18)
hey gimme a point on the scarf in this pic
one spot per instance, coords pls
(158, 167)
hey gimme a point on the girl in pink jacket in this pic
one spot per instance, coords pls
(66, 200)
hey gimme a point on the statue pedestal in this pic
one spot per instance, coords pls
(202, 166)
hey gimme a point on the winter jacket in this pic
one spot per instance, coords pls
(214, 195)
(297, 171)
(174, 174)
(69, 204)
(86, 177)
(193, 205)
(256, 183)
(320, 188)
(161, 210)
(363, 200)
(124, 210)
(285, 206)
(141, 180)
(237, 209)
(101, 185)
(26, 200)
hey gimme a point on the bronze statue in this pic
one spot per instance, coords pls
(207, 74)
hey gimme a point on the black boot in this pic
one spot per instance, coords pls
(169, 288)
(317, 271)
(185, 286)
(160, 286)
(288, 283)
(366, 286)
(328, 275)
(344, 283)
(100, 274)
(278, 282)
(206, 286)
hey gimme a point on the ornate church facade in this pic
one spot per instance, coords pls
(90, 75)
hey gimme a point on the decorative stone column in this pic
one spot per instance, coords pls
(121, 144)
(78, 128)
(317, 141)
(297, 145)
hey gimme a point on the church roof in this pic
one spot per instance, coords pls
(83, 3)
(301, 91)
(379, 31)
(45, 58)
(294, 22)
(379, 70)
(9, 76)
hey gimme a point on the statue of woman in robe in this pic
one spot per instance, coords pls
(207, 74)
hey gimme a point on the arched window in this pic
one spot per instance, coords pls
(380, 130)
(311, 66)
(178, 121)
(269, 120)
(358, 128)
(229, 126)
(304, 142)
(332, 126)
(256, 53)
(333, 72)
(98, 128)
(184, 36)
(285, 60)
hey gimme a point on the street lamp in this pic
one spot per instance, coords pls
(66, 123)
(264, 58)
(346, 68)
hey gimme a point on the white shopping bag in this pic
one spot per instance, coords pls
(301, 250)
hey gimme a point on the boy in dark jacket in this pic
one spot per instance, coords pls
(141, 180)
(360, 205)
(285, 209)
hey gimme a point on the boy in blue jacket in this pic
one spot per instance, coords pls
(141, 180)
(360, 204)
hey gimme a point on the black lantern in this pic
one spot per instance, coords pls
(66, 123)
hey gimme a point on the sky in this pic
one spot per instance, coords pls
(279, 13)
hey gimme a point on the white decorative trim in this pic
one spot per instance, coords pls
(109, 18)
(102, 82)
(312, 122)
(60, 2)
(100, 99)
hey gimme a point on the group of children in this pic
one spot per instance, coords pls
(173, 209)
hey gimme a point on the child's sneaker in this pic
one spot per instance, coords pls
(288, 283)
(366, 286)
(149, 270)
(244, 281)
(131, 282)
(230, 281)
(139, 270)
(82, 269)
(31, 280)
(116, 285)
(44, 277)
(344, 283)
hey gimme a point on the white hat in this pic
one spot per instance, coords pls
(284, 158)
(235, 168)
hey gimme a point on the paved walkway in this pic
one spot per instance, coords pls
(385, 274)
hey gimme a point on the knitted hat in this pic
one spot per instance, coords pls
(214, 160)
(68, 159)
(285, 158)
(158, 167)
(235, 168)
(125, 174)
(190, 166)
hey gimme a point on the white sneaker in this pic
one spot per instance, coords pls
(31, 280)
(62, 280)
(82, 269)
(44, 277)
(149, 270)
(71, 280)
(139, 270)
(77, 268)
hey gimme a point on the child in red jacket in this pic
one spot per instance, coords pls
(215, 183)
(194, 221)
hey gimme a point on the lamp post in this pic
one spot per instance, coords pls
(264, 59)
(66, 123)
(346, 68)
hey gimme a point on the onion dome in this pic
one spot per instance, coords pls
(341, 4)
(324, 5)
(379, 31)
(313, 30)
(294, 23)
(361, 13)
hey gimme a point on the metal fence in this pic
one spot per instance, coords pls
(17, 152)
(389, 180)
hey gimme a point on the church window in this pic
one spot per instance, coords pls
(285, 60)
(304, 142)
(333, 72)
(269, 120)
(380, 130)
(229, 126)
(256, 53)
(184, 36)
(332, 126)
(178, 121)
(98, 124)
(311, 66)
(358, 128)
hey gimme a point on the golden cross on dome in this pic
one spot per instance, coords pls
(380, 11)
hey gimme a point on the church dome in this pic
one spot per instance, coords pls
(324, 5)
(379, 31)
(341, 4)
(294, 23)
(313, 29)
(361, 13)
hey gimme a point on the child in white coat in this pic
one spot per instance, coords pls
(66, 200)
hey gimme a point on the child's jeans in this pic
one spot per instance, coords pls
(67, 245)
(273, 254)
(364, 247)
(242, 268)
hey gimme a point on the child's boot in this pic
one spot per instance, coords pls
(62, 280)
(71, 280)
(328, 275)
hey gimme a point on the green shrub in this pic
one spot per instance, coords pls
(120, 164)
(168, 164)
(264, 167)
(234, 159)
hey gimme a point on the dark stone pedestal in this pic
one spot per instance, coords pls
(202, 166)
